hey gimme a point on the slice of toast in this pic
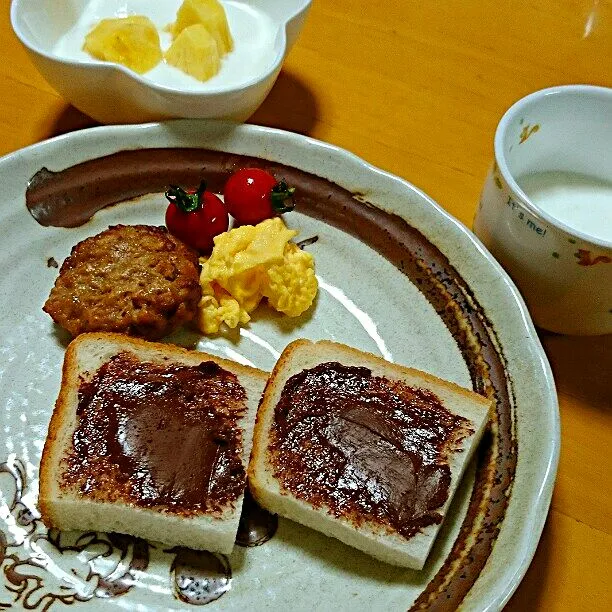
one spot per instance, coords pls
(151, 440)
(361, 449)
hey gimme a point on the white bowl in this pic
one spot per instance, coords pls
(263, 31)
(562, 264)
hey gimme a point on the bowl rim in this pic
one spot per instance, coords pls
(273, 67)
(592, 91)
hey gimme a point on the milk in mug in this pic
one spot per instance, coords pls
(582, 202)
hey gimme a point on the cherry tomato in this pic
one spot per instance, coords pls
(195, 217)
(252, 195)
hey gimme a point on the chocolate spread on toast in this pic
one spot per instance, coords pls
(367, 448)
(163, 436)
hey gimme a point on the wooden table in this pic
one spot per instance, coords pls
(418, 89)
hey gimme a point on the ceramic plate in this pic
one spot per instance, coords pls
(398, 277)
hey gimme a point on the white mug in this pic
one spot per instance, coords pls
(546, 208)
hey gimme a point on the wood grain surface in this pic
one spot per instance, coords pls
(417, 88)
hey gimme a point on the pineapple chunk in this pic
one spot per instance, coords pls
(131, 41)
(195, 52)
(210, 14)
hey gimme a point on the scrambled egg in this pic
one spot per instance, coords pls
(249, 263)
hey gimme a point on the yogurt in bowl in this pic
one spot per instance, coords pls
(546, 208)
(53, 32)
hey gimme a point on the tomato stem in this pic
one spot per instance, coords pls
(279, 195)
(184, 201)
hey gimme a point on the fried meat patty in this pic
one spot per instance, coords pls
(134, 279)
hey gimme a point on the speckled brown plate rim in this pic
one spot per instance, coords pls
(353, 209)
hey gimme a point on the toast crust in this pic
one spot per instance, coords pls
(58, 422)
